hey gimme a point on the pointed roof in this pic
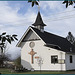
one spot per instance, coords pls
(55, 41)
(38, 20)
(51, 40)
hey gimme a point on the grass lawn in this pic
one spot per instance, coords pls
(8, 71)
(4, 70)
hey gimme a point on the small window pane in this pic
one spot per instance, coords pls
(54, 59)
(71, 59)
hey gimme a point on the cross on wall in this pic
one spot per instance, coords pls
(32, 53)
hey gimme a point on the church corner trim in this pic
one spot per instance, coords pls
(18, 44)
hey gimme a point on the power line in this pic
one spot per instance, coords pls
(48, 20)
(51, 14)
(63, 12)
(61, 18)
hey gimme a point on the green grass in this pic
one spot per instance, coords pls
(4, 70)
(8, 71)
(42, 72)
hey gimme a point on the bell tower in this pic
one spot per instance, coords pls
(39, 23)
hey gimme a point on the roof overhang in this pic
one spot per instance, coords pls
(53, 46)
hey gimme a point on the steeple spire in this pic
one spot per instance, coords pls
(39, 23)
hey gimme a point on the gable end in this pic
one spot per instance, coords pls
(30, 36)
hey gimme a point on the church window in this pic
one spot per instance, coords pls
(71, 59)
(54, 59)
(42, 27)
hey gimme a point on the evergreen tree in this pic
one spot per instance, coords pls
(70, 38)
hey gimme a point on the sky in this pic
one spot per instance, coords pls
(17, 16)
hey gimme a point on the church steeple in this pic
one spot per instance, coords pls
(39, 23)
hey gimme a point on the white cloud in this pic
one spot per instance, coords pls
(50, 6)
(7, 14)
(58, 18)
(10, 15)
(13, 22)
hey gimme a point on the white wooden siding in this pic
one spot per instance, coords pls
(45, 53)
(70, 66)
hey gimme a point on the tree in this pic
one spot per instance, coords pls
(67, 2)
(18, 62)
(5, 53)
(70, 38)
(34, 2)
(3, 39)
(8, 38)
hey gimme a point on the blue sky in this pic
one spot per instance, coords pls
(17, 16)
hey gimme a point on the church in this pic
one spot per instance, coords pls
(46, 51)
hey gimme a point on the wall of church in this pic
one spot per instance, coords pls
(69, 65)
(45, 53)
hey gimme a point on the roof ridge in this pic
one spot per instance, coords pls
(55, 34)
(59, 36)
(51, 33)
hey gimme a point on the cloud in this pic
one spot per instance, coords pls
(58, 18)
(7, 14)
(10, 15)
(9, 18)
(52, 6)
(15, 20)
(13, 52)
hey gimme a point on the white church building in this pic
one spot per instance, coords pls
(56, 52)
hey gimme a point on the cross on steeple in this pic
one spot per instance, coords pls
(38, 8)
(32, 53)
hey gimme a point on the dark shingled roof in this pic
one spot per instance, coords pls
(53, 39)
(38, 21)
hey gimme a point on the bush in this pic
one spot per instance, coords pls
(21, 69)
